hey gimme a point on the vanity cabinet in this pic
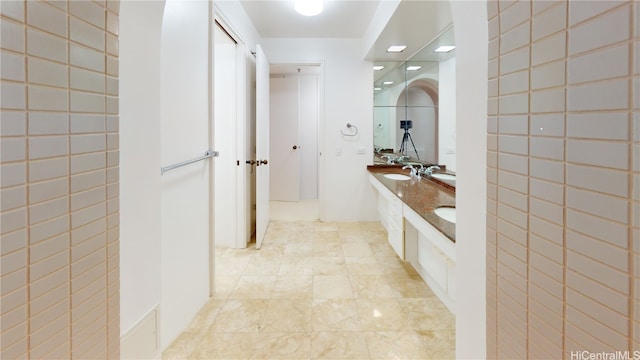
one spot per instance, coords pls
(390, 212)
(417, 241)
(432, 254)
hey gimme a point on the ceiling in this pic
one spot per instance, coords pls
(414, 23)
(339, 19)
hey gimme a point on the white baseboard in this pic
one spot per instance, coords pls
(142, 341)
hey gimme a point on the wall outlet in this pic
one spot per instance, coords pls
(451, 151)
(361, 150)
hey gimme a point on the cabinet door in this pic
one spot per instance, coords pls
(396, 239)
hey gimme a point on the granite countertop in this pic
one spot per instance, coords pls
(423, 195)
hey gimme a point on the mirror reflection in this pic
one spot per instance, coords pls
(414, 106)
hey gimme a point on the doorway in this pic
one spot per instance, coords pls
(294, 141)
(419, 103)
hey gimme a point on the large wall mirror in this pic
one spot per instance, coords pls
(414, 105)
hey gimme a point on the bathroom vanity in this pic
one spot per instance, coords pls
(407, 210)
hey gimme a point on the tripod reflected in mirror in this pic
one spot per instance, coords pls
(406, 125)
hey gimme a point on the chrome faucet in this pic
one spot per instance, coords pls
(391, 159)
(414, 173)
(429, 170)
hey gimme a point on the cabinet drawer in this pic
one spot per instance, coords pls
(396, 240)
(395, 216)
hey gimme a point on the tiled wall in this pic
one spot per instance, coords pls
(59, 180)
(563, 231)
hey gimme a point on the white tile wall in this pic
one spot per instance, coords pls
(58, 215)
(580, 177)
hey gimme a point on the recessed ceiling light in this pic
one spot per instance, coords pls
(377, 88)
(308, 7)
(396, 48)
(387, 82)
(444, 48)
(414, 67)
(378, 67)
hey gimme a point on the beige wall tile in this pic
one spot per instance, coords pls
(13, 9)
(598, 32)
(598, 153)
(87, 215)
(597, 179)
(547, 148)
(548, 75)
(87, 198)
(13, 198)
(513, 61)
(513, 163)
(550, 231)
(88, 162)
(12, 174)
(46, 46)
(13, 220)
(47, 99)
(48, 146)
(604, 64)
(597, 227)
(549, 49)
(13, 96)
(514, 83)
(86, 34)
(87, 80)
(87, 102)
(606, 126)
(513, 144)
(14, 123)
(546, 210)
(515, 15)
(515, 38)
(12, 66)
(545, 190)
(87, 180)
(582, 11)
(88, 11)
(48, 123)
(79, 235)
(48, 210)
(13, 241)
(49, 228)
(548, 100)
(612, 339)
(11, 34)
(47, 17)
(88, 143)
(86, 58)
(552, 20)
(48, 169)
(599, 272)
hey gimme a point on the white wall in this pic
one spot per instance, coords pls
(140, 27)
(185, 129)
(345, 98)
(447, 113)
(470, 26)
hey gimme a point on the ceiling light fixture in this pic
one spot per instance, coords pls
(414, 67)
(378, 67)
(396, 48)
(387, 83)
(308, 7)
(377, 88)
(444, 48)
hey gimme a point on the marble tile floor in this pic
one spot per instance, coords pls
(318, 290)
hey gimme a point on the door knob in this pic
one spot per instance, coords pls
(295, 147)
(263, 162)
(250, 162)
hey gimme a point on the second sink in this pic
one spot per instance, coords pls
(447, 213)
(396, 176)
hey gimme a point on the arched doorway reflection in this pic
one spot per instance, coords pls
(419, 103)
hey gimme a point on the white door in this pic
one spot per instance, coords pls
(284, 112)
(186, 191)
(262, 145)
(227, 175)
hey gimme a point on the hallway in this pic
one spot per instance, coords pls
(318, 290)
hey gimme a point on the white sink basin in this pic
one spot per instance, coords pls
(440, 176)
(396, 176)
(446, 213)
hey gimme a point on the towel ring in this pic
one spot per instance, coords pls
(349, 126)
